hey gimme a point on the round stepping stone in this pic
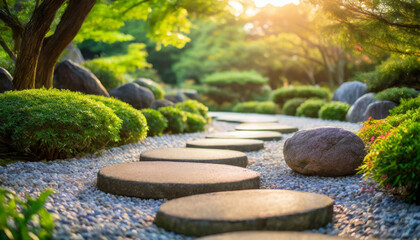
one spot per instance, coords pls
(230, 211)
(173, 179)
(245, 145)
(271, 235)
(275, 127)
(247, 119)
(258, 135)
(217, 156)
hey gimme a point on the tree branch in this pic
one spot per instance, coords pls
(133, 6)
(7, 49)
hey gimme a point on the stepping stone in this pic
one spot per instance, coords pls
(247, 119)
(173, 179)
(271, 235)
(275, 127)
(231, 211)
(217, 156)
(258, 135)
(244, 145)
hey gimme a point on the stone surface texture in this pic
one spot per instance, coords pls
(275, 127)
(133, 94)
(72, 76)
(217, 156)
(156, 104)
(349, 92)
(258, 135)
(5, 80)
(357, 110)
(229, 211)
(159, 180)
(378, 110)
(271, 235)
(329, 152)
(242, 119)
(244, 145)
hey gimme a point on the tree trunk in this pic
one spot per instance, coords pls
(70, 24)
(33, 37)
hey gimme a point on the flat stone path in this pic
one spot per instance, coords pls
(196, 155)
(251, 119)
(271, 235)
(230, 211)
(245, 145)
(275, 127)
(173, 179)
(258, 135)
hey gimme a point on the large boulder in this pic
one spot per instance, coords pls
(349, 92)
(72, 76)
(161, 103)
(357, 110)
(5, 80)
(378, 110)
(179, 97)
(133, 94)
(329, 152)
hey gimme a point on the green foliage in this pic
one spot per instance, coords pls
(291, 105)
(134, 124)
(406, 106)
(107, 75)
(24, 219)
(220, 96)
(334, 111)
(246, 107)
(310, 108)
(281, 95)
(266, 107)
(176, 119)
(156, 89)
(55, 124)
(256, 107)
(156, 122)
(395, 94)
(195, 122)
(394, 72)
(195, 107)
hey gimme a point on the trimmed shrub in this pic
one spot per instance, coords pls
(310, 108)
(281, 95)
(291, 105)
(406, 105)
(108, 77)
(176, 119)
(195, 122)
(156, 89)
(193, 106)
(395, 94)
(266, 107)
(334, 111)
(55, 124)
(155, 121)
(247, 107)
(24, 219)
(134, 125)
(221, 96)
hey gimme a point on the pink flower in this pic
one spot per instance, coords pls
(372, 138)
(370, 118)
(359, 48)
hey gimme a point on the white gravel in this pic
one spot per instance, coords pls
(83, 212)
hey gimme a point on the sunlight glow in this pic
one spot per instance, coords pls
(262, 3)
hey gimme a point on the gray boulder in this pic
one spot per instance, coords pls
(72, 76)
(161, 103)
(357, 110)
(328, 151)
(133, 94)
(179, 97)
(190, 93)
(378, 110)
(5, 80)
(349, 92)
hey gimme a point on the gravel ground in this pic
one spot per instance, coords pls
(82, 212)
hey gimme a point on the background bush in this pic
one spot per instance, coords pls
(220, 96)
(176, 119)
(246, 107)
(109, 78)
(266, 107)
(406, 105)
(134, 125)
(395, 94)
(155, 121)
(281, 95)
(195, 107)
(55, 124)
(291, 105)
(195, 122)
(310, 108)
(24, 219)
(156, 89)
(334, 111)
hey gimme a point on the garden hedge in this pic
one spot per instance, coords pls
(281, 95)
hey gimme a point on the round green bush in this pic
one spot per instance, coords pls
(176, 119)
(193, 106)
(334, 111)
(195, 122)
(156, 89)
(266, 107)
(281, 95)
(134, 125)
(291, 105)
(406, 106)
(51, 124)
(246, 107)
(310, 108)
(395, 94)
(109, 78)
(155, 120)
